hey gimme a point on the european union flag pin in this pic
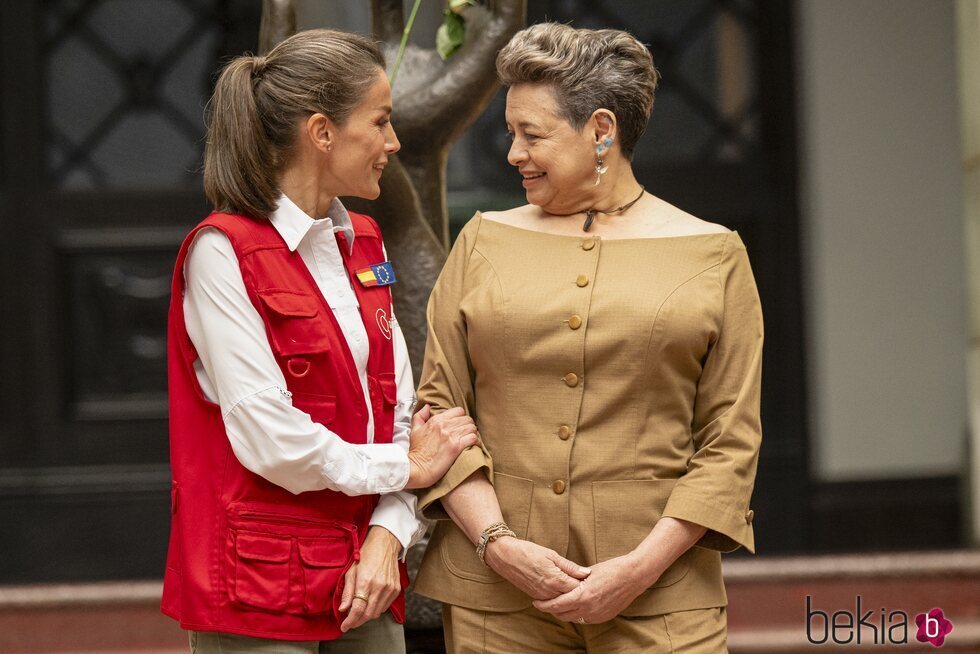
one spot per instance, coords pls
(380, 274)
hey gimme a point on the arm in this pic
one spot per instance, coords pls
(268, 435)
(465, 494)
(539, 572)
(708, 506)
(394, 525)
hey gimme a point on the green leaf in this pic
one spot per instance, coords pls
(450, 35)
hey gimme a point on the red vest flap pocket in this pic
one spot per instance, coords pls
(325, 552)
(262, 547)
(294, 326)
(288, 303)
(389, 389)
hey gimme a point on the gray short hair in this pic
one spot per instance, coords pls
(588, 70)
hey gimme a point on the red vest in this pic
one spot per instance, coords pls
(247, 556)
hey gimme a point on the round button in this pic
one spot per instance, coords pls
(582, 280)
(564, 432)
(588, 244)
(575, 322)
(571, 379)
(558, 486)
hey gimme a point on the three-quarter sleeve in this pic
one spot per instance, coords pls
(726, 429)
(447, 372)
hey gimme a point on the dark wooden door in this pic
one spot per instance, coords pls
(102, 125)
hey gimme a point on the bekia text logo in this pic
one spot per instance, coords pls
(873, 627)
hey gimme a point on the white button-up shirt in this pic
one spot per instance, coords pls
(238, 371)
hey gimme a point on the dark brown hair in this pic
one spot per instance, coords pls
(587, 70)
(258, 102)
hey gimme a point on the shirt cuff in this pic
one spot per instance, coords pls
(396, 513)
(728, 529)
(384, 469)
(469, 461)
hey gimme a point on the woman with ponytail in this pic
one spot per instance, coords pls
(291, 394)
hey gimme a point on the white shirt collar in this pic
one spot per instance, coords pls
(293, 224)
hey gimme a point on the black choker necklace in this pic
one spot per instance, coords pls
(590, 214)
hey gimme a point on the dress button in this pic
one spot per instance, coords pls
(582, 280)
(575, 322)
(558, 486)
(571, 379)
(564, 432)
(748, 516)
(588, 244)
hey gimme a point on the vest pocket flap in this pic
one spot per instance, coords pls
(262, 547)
(294, 327)
(388, 386)
(325, 552)
(287, 303)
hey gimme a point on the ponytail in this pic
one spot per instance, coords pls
(258, 102)
(238, 166)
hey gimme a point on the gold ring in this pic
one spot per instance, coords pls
(361, 597)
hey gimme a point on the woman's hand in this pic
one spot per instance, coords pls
(614, 584)
(375, 578)
(538, 571)
(436, 442)
(611, 587)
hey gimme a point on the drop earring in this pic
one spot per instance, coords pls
(600, 167)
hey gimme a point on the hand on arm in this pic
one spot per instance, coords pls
(436, 442)
(615, 583)
(538, 571)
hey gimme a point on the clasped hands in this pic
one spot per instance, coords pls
(570, 592)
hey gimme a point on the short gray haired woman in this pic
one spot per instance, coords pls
(609, 347)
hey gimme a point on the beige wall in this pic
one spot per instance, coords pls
(968, 22)
(884, 256)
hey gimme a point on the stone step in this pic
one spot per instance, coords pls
(768, 600)
(767, 607)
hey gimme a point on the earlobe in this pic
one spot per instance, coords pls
(605, 127)
(320, 130)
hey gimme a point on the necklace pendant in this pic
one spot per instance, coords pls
(589, 219)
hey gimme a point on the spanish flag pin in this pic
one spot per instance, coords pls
(380, 274)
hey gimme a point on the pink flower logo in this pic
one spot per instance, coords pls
(933, 627)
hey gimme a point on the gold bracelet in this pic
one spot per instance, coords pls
(490, 534)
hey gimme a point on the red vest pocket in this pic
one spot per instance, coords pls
(262, 570)
(324, 562)
(292, 323)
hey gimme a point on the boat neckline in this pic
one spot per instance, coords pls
(586, 235)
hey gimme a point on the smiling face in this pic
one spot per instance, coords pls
(556, 161)
(359, 148)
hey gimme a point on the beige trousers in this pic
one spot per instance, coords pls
(381, 636)
(702, 631)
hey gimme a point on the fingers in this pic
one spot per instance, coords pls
(350, 582)
(357, 615)
(561, 604)
(571, 568)
(468, 439)
(449, 414)
(422, 416)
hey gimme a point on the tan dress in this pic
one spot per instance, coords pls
(613, 382)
